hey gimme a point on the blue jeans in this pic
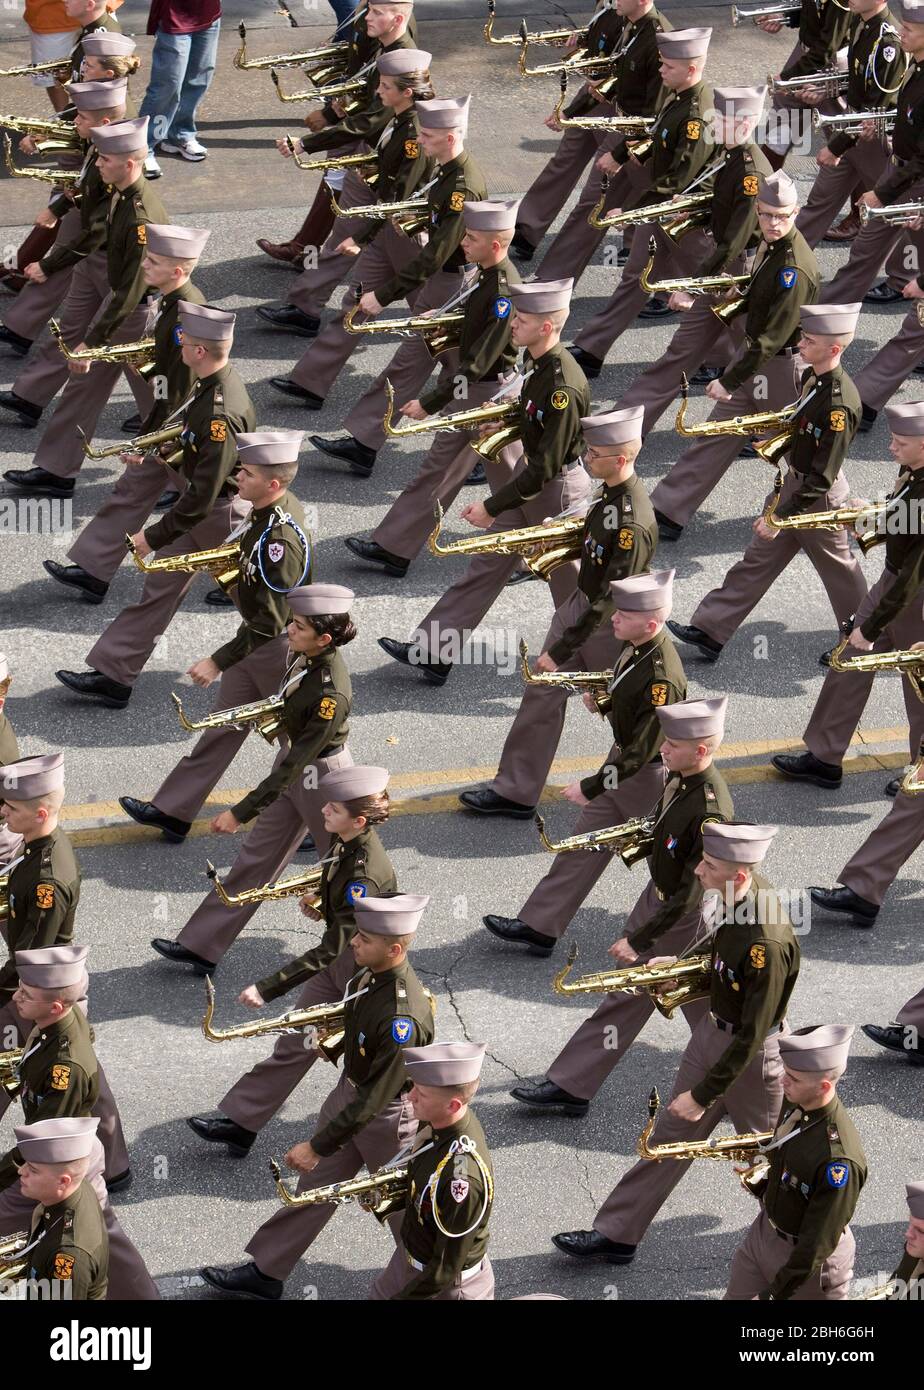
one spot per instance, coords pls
(342, 9)
(181, 70)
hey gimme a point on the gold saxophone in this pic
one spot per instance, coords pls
(4, 899)
(701, 284)
(897, 214)
(505, 414)
(62, 178)
(879, 1294)
(381, 1193)
(576, 61)
(324, 90)
(11, 1247)
(61, 67)
(141, 444)
(344, 161)
(325, 1019)
(594, 683)
(611, 124)
(294, 886)
(755, 12)
(736, 1147)
(675, 209)
(139, 355)
(9, 1070)
(50, 130)
(439, 332)
(831, 520)
(770, 449)
(642, 979)
(632, 841)
(908, 663)
(548, 36)
(541, 548)
(263, 715)
(337, 54)
(221, 562)
(409, 217)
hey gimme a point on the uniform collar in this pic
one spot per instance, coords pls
(61, 1027)
(617, 489)
(554, 351)
(452, 1131)
(457, 162)
(36, 846)
(823, 1113)
(314, 663)
(213, 377)
(834, 374)
(651, 644)
(173, 295)
(132, 188)
(396, 973)
(694, 779)
(264, 513)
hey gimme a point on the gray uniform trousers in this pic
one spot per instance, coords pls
(466, 602)
(265, 851)
(764, 1252)
(319, 366)
(704, 464)
(260, 674)
(13, 1033)
(311, 291)
(860, 166)
(255, 1099)
(844, 695)
(476, 1287)
(559, 894)
(874, 868)
(35, 304)
(530, 747)
(872, 245)
(723, 610)
(128, 1276)
(125, 646)
(912, 1013)
(576, 242)
(591, 1053)
(280, 1242)
(879, 379)
(752, 1102)
(100, 547)
(551, 189)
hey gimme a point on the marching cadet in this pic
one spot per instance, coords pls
(908, 1279)
(94, 18)
(667, 911)
(880, 377)
(734, 226)
(68, 1242)
(821, 429)
(801, 1247)
(823, 29)
(171, 256)
(444, 1234)
(484, 358)
(906, 1034)
(619, 540)
(875, 66)
(356, 867)
(762, 376)
(60, 1079)
(367, 1118)
(680, 156)
(10, 843)
(549, 482)
(431, 279)
(208, 508)
(275, 557)
(647, 676)
(317, 697)
(731, 1065)
(121, 319)
(888, 619)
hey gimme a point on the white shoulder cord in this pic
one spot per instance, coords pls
(465, 1145)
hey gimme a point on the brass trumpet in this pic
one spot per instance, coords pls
(850, 122)
(439, 332)
(325, 1019)
(908, 663)
(345, 161)
(755, 12)
(632, 841)
(263, 715)
(541, 548)
(831, 80)
(9, 1070)
(293, 887)
(222, 562)
(139, 355)
(141, 444)
(61, 178)
(642, 979)
(506, 415)
(409, 217)
(594, 683)
(736, 1147)
(702, 284)
(831, 520)
(898, 214)
(769, 449)
(548, 36)
(336, 53)
(381, 1193)
(326, 91)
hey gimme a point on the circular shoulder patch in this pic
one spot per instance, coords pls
(501, 308)
(560, 400)
(837, 1174)
(788, 276)
(356, 890)
(177, 334)
(402, 1029)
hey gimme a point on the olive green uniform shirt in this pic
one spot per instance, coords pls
(870, 72)
(43, 892)
(9, 748)
(485, 349)
(904, 556)
(370, 118)
(823, 430)
(733, 210)
(637, 75)
(130, 210)
(906, 165)
(93, 207)
(910, 1267)
(74, 1245)
(170, 371)
(273, 560)
(784, 277)
(680, 149)
(823, 29)
(401, 167)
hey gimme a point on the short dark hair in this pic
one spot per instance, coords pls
(375, 808)
(338, 626)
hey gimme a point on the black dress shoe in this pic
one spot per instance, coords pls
(132, 425)
(28, 413)
(867, 419)
(487, 803)
(307, 845)
(515, 932)
(825, 658)
(146, 813)
(38, 482)
(223, 1131)
(93, 590)
(845, 900)
(374, 554)
(622, 255)
(882, 293)
(545, 1095)
(892, 788)
(478, 477)
(521, 248)
(360, 458)
(805, 767)
(521, 575)
(436, 672)
(589, 1245)
(591, 366)
(110, 693)
(217, 598)
(667, 530)
(16, 341)
(706, 374)
(245, 1280)
(747, 451)
(288, 387)
(121, 1183)
(166, 500)
(895, 1037)
(172, 950)
(696, 638)
(656, 309)
(292, 318)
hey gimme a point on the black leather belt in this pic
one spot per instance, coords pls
(736, 1028)
(783, 1235)
(786, 352)
(331, 750)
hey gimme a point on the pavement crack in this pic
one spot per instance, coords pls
(446, 978)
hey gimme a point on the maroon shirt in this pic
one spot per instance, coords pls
(182, 16)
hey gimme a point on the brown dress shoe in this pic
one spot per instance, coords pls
(846, 229)
(289, 251)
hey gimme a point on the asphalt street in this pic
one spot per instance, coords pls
(191, 1205)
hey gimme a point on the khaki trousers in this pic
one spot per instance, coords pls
(873, 869)
(574, 246)
(879, 379)
(399, 1272)
(35, 304)
(764, 1252)
(100, 547)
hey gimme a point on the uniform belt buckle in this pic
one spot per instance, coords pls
(661, 897)
(784, 1235)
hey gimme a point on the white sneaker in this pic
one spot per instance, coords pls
(188, 149)
(152, 169)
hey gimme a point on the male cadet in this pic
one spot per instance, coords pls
(553, 399)
(208, 509)
(762, 376)
(667, 911)
(483, 360)
(59, 1078)
(171, 255)
(731, 1065)
(275, 556)
(908, 1279)
(680, 152)
(800, 1247)
(444, 1234)
(43, 892)
(906, 1034)
(647, 676)
(619, 540)
(823, 29)
(889, 619)
(875, 67)
(735, 228)
(821, 430)
(10, 842)
(121, 318)
(356, 867)
(367, 1118)
(68, 1244)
